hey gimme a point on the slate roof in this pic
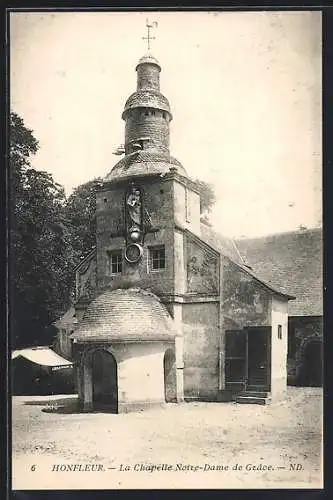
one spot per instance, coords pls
(145, 162)
(67, 320)
(125, 315)
(148, 59)
(225, 246)
(293, 261)
(147, 98)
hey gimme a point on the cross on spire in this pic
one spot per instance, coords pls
(149, 37)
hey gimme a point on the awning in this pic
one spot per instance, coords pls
(43, 356)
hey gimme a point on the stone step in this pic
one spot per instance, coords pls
(258, 394)
(258, 400)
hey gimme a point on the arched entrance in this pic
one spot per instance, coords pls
(312, 366)
(170, 377)
(104, 381)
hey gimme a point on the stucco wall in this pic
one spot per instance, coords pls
(245, 301)
(186, 207)
(202, 269)
(201, 349)
(279, 347)
(140, 374)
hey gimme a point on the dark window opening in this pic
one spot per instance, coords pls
(280, 332)
(115, 262)
(157, 258)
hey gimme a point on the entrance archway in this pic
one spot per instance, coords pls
(104, 381)
(170, 377)
(312, 366)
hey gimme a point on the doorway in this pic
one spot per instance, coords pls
(257, 358)
(247, 359)
(312, 366)
(104, 381)
(170, 377)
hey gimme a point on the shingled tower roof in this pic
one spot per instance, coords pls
(147, 115)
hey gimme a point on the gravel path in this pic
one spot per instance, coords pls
(48, 435)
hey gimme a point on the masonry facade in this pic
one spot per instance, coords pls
(166, 309)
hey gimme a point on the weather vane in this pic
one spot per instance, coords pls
(149, 37)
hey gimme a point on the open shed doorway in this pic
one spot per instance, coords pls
(170, 377)
(312, 366)
(104, 381)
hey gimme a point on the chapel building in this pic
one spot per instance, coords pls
(166, 309)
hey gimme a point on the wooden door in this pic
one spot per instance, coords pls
(258, 352)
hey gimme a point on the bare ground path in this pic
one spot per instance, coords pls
(48, 434)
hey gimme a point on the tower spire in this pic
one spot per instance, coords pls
(149, 37)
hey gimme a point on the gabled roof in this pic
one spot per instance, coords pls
(86, 258)
(67, 320)
(228, 248)
(292, 261)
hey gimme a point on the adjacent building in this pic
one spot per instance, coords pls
(293, 261)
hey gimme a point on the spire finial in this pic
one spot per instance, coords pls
(149, 37)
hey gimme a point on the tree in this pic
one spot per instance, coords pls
(207, 200)
(80, 217)
(41, 259)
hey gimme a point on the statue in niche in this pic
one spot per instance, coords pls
(134, 214)
(137, 218)
(134, 207)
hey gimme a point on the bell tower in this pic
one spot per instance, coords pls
(145, 196)
(147, 111)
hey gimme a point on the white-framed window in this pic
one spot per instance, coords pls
(115, 262)
(157, 258)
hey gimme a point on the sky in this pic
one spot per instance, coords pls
(245, 94)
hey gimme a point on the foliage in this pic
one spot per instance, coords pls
(207, 200)
(41, 260)
(79, 213)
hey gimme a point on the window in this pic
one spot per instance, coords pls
(115, 262)
(279, 331)
(157, 258)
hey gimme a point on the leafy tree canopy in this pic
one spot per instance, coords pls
(207, 196)
(41, 259)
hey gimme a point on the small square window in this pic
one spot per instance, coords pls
(280, 332)
(115, 262)
(157, 258)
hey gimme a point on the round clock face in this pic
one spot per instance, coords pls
(133, 253)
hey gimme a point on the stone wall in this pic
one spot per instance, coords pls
(152, 123)
(158, 201)
(302, 330)
(148, 76)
